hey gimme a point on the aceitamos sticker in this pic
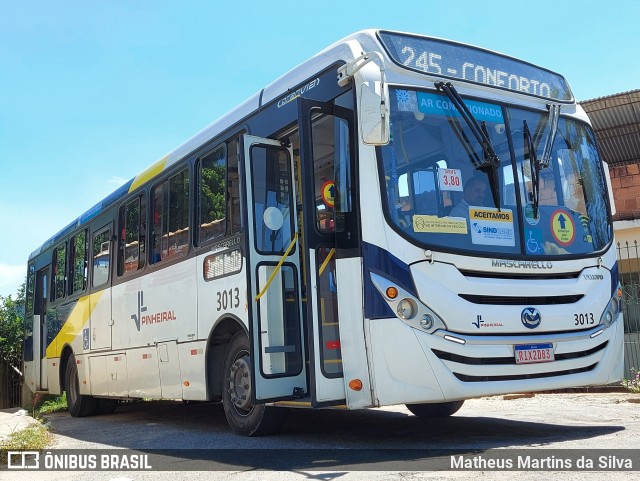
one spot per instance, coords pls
(491, 226)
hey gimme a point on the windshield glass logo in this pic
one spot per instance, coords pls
(530, 317)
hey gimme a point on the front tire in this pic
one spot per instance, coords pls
(244, 417)
(79, 405)
(435, 410)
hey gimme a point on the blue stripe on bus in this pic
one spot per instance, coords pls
(615, 279)
(380, 261)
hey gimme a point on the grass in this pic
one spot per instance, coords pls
(33, 438)
(52, 405)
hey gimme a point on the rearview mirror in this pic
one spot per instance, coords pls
(607, 177)
(374, 113)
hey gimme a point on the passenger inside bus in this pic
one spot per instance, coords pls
(474, 193)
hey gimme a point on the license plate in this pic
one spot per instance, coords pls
(532, 353)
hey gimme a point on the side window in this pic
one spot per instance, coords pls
(323, 139)
(58, 280)
(101, 258)
(78, 265)
(272, 199)
(212, 196)
(132, 236)
(170, 217)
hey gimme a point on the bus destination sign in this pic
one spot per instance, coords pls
(472, 64)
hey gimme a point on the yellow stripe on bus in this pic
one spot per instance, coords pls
(149, 173)
(77, 320)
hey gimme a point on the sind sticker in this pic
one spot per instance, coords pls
(443, 225)
(492, 227)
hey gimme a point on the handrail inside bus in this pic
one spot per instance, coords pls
(326, 261)
(275, 271)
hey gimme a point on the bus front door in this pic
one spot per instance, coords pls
(273, 266)
(325, 144)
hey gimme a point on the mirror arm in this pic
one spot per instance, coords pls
(377, 131)
(349, 70)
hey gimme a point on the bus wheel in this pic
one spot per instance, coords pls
(244, 417)
(435, 410)
(106, 406)
(79, 405)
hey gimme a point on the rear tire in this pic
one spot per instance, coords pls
(106, 406)
(435, 410)
(244, 417)
(79, 405)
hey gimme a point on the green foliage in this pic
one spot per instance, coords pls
(213, 189)
(11, 327)
(633, 384)
(53, 405)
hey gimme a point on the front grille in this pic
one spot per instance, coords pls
(519, 377)
(492, 361)
(521, 300)
(521, 277)
(525, 334)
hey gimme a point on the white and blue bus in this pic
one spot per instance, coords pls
(399, 220)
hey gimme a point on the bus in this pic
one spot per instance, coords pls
(399, 220)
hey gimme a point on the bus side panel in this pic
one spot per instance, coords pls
(222, 288)
(144, 380)
(352, 335)
(53, 375)
(155, 309)
(159, 306)
(169, 364)
(193, 370)
(98, 370)
(84, 374)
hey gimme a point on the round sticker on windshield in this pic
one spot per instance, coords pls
(273, 218)
(528, 215)
(563, 227)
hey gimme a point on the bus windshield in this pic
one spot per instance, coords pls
(438, 190)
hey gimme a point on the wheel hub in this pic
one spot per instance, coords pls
(240, 387)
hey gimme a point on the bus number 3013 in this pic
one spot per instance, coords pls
(584, 319)
(228, 299)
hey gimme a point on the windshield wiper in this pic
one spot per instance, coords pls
(534, 167)
(554, 115)
(490, 162)
(538, 163)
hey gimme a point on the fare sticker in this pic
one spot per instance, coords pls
(450, 179)
(563, 227)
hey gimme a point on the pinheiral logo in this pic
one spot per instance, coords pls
(530, 317)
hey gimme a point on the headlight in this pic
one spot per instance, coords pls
(613, 308)
(406, 306)
(406, 309)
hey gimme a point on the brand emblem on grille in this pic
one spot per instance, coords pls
(530, 317)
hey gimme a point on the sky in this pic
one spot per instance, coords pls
(93, 92)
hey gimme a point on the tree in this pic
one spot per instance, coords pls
(11, 327)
